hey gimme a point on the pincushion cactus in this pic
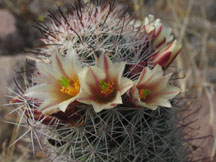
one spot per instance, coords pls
(100, 91)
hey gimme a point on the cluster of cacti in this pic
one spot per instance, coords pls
(100, 91)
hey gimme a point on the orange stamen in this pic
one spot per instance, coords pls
(72, 88)
(106, 87)
(144, 93)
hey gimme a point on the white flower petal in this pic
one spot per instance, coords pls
(40, 91)
(125, 84)
(160, 84)
(84, 97)
(162, 102)
(117, 71)
(104, 63)
(47, 73)
(71, 64)
(170, 92)
(152, 107)
(57, 62)
(118, 99)
(135, 95)
(63, 105)
(147, 75)
(49, 107)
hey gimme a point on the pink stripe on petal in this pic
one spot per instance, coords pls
(169, 92)
(157, 96)
(128, 85)
(164, 59)
(46, 107)
(151, 86)
(106, 65)
(94, 76)
(161, 43)
(90, 98)
(60, 66)
(149, 34)
(113, 105)
(149, 79)
(171, 59)
(80, 99)
(158, 32)
(167, 47)
(142, 76)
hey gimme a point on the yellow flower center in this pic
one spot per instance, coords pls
(70, 86)
(106, 88)
(144, 93)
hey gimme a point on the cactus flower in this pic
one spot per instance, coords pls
(104, 85)
(59, 83)
(166, 56)
(152, 89)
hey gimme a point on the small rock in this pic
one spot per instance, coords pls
(10, 39)
(8, 23)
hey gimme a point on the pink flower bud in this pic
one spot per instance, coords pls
(166, 56)
(161, 33)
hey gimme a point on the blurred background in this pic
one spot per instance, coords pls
(193, 23)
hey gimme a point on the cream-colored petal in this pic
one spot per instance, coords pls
(124, 85)
(71, 64)
(49, 107)
(170, 92)
(83, 80)
(161, 102)
(99, 107)
(149, 106)
(87, 99)
(159, 84)
(84, 97)
(157, 72)
(148, 75)
(149, 23)
(118, 99)
(110, 69)
(165, 103)
(104, 63)
(135, 95)
(166, 33)
(143, 104)
(117, 70)
(57, 63)
(63, 105)
(82, 74)
(40, 91)
(47, 73)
